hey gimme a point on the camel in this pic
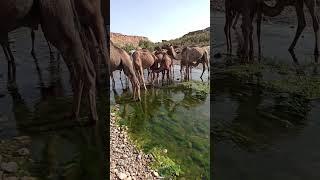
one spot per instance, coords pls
(143, 59)
(121, 60)
(190, 56)
(276, 10)
(92, 18)
(248, 9)
(166, 64)
(60, 26)
(298, 4)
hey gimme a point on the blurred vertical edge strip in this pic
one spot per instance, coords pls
(105, 8)
(211, 89)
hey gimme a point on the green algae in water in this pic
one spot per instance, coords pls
(288, 80)
(175, 118)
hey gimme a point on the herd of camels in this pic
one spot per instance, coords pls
(250, 8)
(161, 60)
(77, 29)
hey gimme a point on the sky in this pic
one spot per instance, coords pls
(159, 19)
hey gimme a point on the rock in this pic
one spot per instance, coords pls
(28, 178)
(22, 138)
(23, 152)
(155, 174)
(1, 174)
(10, 167)
(121, 175)
(139, 157)
(115, 171)
(0, 158)
(11, 178)
(129, 178)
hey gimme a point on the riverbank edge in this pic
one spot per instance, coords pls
(137, 164)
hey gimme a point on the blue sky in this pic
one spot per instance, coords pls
(159, 19)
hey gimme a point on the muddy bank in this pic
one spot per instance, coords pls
(126, 161)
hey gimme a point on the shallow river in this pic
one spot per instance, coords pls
(172, 118)
(259, 134)
(36, 105)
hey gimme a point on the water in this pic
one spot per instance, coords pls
(172, 118)
(259, 134)
(36, 105)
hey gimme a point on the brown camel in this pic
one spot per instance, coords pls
(60, 26)
(143, 59)
(90, 15)
(190, 56)
(298, 4)
(276, 10)
(248, 9)
(166, 64)
(121, 60)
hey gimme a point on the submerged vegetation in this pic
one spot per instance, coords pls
(277, 77)
(163, 125)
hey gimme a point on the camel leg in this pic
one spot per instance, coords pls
(49, 46)
(244, 27)
(236, 21)
(32, 40)
(301, 24)
(311, 6)
(6, 53)
(259, 19)
(226, 28)
(142, 77)
(163, 73)
(130, 73)
(60, 30)
(204, 68)
(113, 82)
(100, 34)
(172, 66)
(251, 40)
(90, 89)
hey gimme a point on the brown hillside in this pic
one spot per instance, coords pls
(122, 40)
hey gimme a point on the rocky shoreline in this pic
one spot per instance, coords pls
(126, 161)
(15, 158)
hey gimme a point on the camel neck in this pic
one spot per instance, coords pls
(272, 11)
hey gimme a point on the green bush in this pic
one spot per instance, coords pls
(128, 47)
(147, 45)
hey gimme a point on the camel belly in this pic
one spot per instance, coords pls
(13, 11)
